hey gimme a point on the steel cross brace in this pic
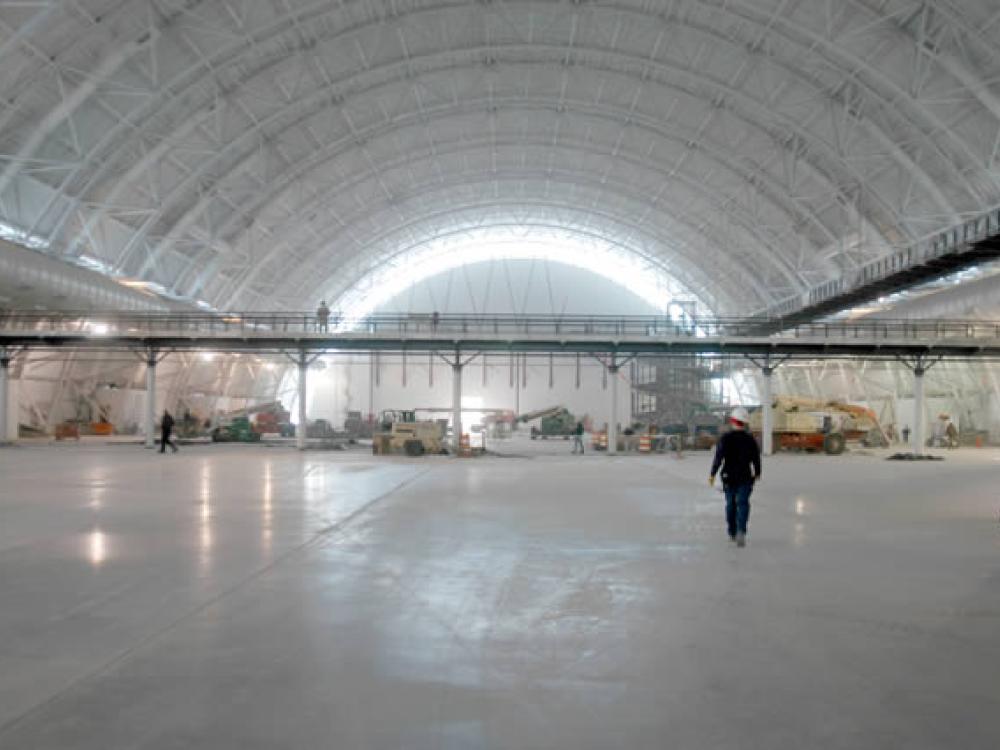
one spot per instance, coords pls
(920, 363)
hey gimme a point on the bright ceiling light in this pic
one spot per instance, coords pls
(644, 278)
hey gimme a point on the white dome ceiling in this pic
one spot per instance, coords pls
(264, 153)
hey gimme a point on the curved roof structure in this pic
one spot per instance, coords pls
(262, 154)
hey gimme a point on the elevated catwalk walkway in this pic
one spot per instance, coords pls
(628, 336)
(961, 247)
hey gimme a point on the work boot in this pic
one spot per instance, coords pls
(741, 540)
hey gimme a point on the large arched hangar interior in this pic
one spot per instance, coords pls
(446, 308)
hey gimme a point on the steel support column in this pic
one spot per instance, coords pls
(767, 365)
(301, 428)
(918, 410)
(150, 421)
(4, 394)
(456, 403)
(613, 421)
(767, 412)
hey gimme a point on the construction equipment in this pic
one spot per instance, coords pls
(400, 433)
(816, 425)
(274, 420)
(499, 424)
(944, 434)
(320, 429)
(705, 429)
(190, 426)
(556, 421)
(67, 430)
(249, 411)
(238, 427)
(358, 427)
(238, 430)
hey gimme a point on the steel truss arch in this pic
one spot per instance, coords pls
(348, 183)
(197, 200)
(681, 239)
(319, 97)
(750, 13)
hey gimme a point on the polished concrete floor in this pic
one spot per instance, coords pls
(246, 597)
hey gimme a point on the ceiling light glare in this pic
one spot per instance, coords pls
(390, 277)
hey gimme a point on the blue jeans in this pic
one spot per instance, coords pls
(738, 507)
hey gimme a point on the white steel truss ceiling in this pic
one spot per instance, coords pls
(260, 153)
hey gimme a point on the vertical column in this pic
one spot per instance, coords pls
(767, 408)
(456, 402)
(613, 421)
(4, 393)
(150, 425)
(918, 409)
(517, 385)
(371, 384)
(300, 431)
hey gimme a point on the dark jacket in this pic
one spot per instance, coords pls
(736, 453)
(167, 424)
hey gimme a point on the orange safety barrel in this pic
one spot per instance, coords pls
(645, 443)
(465, 445)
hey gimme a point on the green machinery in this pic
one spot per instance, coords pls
(237, 430)
(556, 421)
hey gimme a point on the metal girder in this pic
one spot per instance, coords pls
(720, 155)
(352, 271)
(840, 63)
(919, 342)
(365, 213)
(786, 348)
(731, 92)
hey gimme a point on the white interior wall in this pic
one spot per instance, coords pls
(47, 389)
(966, 391)
(345, 383)
(13, 399)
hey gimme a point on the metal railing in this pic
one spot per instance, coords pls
(458, 326)
(956, 239)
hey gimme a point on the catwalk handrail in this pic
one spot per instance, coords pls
(433, 325)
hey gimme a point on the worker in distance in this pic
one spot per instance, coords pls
(738, 455)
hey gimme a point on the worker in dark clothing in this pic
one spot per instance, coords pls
(578, 439)
(323, 317)
(738, 455)
(166, 427)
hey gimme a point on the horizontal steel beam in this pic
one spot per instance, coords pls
(347, 342)
(626, 335)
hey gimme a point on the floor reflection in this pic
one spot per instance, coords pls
(97, 547)
(267, 507)
(205, 518)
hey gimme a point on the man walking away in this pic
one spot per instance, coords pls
(323, 317)
(738, 456)
(578, 439)
(166, 427)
